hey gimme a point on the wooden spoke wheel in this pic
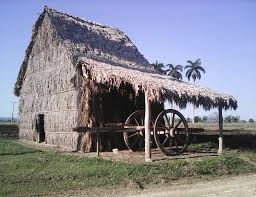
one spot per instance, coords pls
(135, 140)
(171, 132)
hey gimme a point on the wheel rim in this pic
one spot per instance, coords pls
(135, 140)
(171, 132)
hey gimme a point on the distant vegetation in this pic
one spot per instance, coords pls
(160, 67)
(251, 120)
(194, 69)
(8, 119)
(174, 71)
(227, 119)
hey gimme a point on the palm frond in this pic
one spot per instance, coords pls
(201, 68)
(190, 62)
(179, 68)
(198, 74)
(179, 76)
(170, 66)
(198, 62)
(187, 66)
(188, 72)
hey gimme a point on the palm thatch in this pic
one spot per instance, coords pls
(159, 87)
(66, 62)
(109, 53)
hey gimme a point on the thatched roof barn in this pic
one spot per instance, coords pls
(72, 65)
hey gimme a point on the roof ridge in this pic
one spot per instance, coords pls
(51, 10)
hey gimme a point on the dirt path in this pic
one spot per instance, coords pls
(236, 187)
(239, 186)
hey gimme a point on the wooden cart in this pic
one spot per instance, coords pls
(169, 130)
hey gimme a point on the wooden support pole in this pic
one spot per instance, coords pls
(220, 150)
(97, 144)
(147, 129)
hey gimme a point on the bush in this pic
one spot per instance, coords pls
(198, 119)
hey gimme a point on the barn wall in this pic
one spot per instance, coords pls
(49, 88)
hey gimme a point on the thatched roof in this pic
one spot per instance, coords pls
(110, 57)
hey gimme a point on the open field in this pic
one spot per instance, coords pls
(8, 130)
(7, 122)
(239, 126)
(25, 170)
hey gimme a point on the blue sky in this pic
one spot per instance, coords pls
(221, 32)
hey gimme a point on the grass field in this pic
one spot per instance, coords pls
(24, 170)
(226, 126)
(8, 123)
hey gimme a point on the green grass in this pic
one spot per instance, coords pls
(224, 165)
(7, 123)
(25, 170)
(202, 146)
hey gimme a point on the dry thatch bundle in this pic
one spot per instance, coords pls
(70, 60)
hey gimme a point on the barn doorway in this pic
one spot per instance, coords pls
(115, 106)
(40, 128)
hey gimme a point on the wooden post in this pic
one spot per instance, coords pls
(147, 125)
(220, 150)
(97, 144)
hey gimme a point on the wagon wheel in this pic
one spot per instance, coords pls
(135, 140)
(171, 132)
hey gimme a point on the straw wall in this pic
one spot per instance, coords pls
(49, 88)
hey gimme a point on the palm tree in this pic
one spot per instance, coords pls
(159, 67)
(175, 71)
(194, 71)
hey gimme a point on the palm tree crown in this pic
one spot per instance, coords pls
(194, 69)
(175, 71)
(159, 67)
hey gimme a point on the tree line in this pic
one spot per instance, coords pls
(227, 119)
(193, 70)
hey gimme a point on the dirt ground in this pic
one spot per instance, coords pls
(122, 155)
(239, 186)
(236, 187)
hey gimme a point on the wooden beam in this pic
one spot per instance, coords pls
(220, 150)
(147, 123)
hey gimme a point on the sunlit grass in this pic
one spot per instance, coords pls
(24, 170)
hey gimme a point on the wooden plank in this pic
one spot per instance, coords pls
(103, 129)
